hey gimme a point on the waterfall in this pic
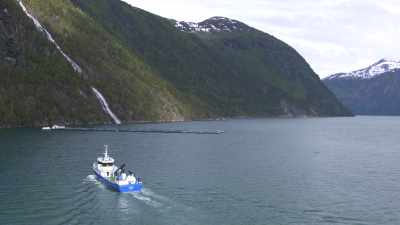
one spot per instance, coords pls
(41, 28)
(74, 65)
(105, 106)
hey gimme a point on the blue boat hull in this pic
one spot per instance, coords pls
(137, 187)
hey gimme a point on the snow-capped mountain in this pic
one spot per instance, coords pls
(381, 67)
(374, 90)
(214, 24)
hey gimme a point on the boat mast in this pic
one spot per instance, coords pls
(106, 152)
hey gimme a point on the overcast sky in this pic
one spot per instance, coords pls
(332, 35)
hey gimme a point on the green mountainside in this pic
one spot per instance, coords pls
(147, 67)
(36, 84)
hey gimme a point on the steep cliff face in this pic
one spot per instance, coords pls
(54, 55)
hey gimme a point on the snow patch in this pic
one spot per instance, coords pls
(383, 67)
(191, 27)
(105, 106)
(214, 24)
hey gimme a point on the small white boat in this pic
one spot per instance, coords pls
(54, 127)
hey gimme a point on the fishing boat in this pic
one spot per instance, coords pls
(115, 177)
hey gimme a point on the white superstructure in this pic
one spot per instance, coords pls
(105, 167)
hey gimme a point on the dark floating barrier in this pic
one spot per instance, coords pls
(135, 130)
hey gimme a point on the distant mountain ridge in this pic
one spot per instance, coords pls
(94, 61)
(381, 67)
(374, 90)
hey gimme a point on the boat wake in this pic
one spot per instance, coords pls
(146, 196)
(148, 192)
(133, 204)
(75, 206)
(170, 211)
(92, 179)
(147, 199)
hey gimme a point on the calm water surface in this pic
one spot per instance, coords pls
(260, 172)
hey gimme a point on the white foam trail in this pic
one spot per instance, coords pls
(123, 203)
(144, 196)
(90, 178)
(147, 192)
(147, 200)
(105, 106)
(41, 28)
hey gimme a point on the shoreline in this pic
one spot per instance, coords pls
(132, 122)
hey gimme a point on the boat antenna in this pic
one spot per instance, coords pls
(106, 151)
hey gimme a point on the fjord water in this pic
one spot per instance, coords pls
(261, 171)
